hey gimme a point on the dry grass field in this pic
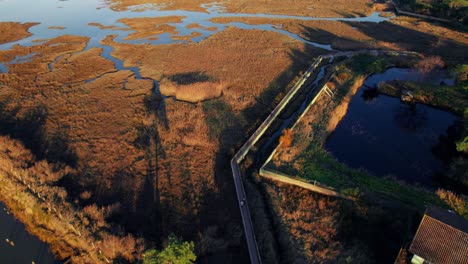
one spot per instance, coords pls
(312, 228)
(146, 27)
(164, 163)
(322, 8)
(425, 37)
(246, 60)
(13, 31)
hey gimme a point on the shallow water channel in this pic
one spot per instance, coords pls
(17, 246)
(390, 138)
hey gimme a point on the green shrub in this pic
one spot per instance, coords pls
(366, 64)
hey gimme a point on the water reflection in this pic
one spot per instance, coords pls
(387, 137)
(410, 117)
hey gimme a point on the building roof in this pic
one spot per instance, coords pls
(441, 237)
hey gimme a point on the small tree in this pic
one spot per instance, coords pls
(176, 252)
(286, 138)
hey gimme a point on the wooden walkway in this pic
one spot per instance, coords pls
(249, 231)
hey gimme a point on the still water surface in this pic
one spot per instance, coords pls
(387, 137)
(25, 248)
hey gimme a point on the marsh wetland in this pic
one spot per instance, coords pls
(118, 121)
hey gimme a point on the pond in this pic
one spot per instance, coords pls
(390, 138)
(17, 245)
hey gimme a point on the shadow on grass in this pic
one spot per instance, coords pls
(28, 126)
(414, 40)
(231, 130)
(189, 78)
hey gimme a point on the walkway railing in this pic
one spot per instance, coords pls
(244, 150)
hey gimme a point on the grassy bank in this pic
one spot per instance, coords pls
(320, 165)
(452, 98)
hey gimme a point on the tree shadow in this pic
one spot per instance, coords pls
(28, 126)
(136, 194)
(190, 77)
(231, 130)
(146, 216)
(413, 40)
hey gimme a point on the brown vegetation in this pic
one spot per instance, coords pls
(196, 25)
(326, 32)
(457, 202)
(193, 93)
(340, 8)
(146, 27)
(246, 60)
(286, 138)
(30, 192)
(13, 31)
(187, 38)
(429, 64)
(426, 37)
(311, 228)
(157, 163)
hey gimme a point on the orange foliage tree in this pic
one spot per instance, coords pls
(286, 138)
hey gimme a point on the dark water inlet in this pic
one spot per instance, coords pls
(25, 248)
(389, 138)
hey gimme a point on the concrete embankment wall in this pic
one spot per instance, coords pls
(283, 178)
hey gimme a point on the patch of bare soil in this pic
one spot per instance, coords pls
(13, 31)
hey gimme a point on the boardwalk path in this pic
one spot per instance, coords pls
(240, 155)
